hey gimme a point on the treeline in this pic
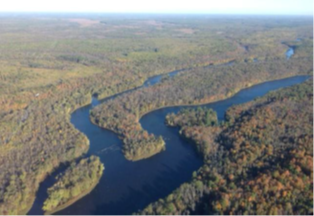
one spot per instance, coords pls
(259, 161)
(196, 86)
(78, 180)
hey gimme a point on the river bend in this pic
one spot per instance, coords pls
(129, 186)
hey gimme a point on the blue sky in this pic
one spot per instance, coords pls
(284, 7)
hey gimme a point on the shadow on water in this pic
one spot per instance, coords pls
(136, 199)
(129, 186)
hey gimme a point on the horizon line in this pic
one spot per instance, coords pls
(151, 13)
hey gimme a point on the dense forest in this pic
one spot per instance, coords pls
(76, 181)
(258, 161)
(193, 117)
(196, 86)
(53, 64)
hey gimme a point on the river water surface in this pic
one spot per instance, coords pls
(126, 186)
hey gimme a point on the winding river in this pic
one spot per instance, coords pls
(129, 186)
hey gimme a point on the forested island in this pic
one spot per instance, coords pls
(53, 64)
(258, 161)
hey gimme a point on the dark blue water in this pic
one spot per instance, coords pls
(128, 186)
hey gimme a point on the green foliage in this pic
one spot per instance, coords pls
(193, 117)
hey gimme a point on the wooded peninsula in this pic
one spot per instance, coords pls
(79, 179)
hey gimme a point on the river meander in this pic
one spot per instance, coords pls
(128, 186)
